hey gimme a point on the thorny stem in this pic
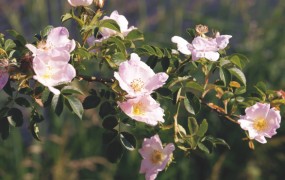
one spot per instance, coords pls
(95, 79)
(220, 111)
(175, 117)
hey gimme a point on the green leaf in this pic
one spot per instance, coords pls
(57, 104)
(15, 117)
(217, 141)
(118, 58)
(203, 128)
(18, 36)
(66, 17)
(119, 43)
(67, 90)
(82, 52)
(4, 128)
(46, 31)
(203, 147)
(128, 141)
(9, 45)
(191, 32)
(225, 76)
(91, 102)
(110, 122)
(192, 103)
(176, 96)
(46, 97)
(195, 86)
(135, 35)
(22, 102)
(111, 24)
(35, 130)
(152, 61)
(37, 118)
(76, 105)
(227, 95)
(165, 62)
(239, 60)
(114, 151)
(239, 74)
(192, 126)
(240, 90)
(106, 109)
(164, 91)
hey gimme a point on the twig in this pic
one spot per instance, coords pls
(95, 79)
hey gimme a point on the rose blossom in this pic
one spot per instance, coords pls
(202, 47)
(53, 70)
(260, 121)
(4, 75)
(137, 78)
(106, 32)
(57, 40)
(155, 157)
(144, 109)
(76, 3)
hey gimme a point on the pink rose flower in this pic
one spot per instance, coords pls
(57, 40)
(4, 75)
(260, 121)
(106, 32)
(137, 78)
(76, 3)
(155, 157)
(202, 47)
(144, 109)
(53, 70)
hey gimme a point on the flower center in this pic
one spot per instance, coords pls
(43, 45)
(260, 124)
(138, 109)
(137, 84)
(157, 157)
(48, 73)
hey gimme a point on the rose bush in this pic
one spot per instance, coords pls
(159, 89)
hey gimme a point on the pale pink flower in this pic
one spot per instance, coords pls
(76, 3)
(106, 32)
(202, 47)
(260, 121)
(144, 109)
(4, 75)
(53, 70)
(137, 78)
(57, 40)
(155, 157)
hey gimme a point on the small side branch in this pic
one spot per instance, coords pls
(95, 79)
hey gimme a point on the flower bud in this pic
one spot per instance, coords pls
(99, 3)
(201, 29)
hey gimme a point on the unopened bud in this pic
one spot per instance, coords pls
(201, 29)
(99, 3)
(251, 145)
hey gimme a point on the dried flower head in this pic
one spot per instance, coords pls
(201, 29)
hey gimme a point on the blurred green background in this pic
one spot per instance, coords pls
(72, 149)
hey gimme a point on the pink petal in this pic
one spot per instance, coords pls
(4, 77)
(182, 45)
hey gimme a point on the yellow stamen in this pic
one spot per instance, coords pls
(157, 157)
(138, 109)
(137, 84)
(260, 124)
